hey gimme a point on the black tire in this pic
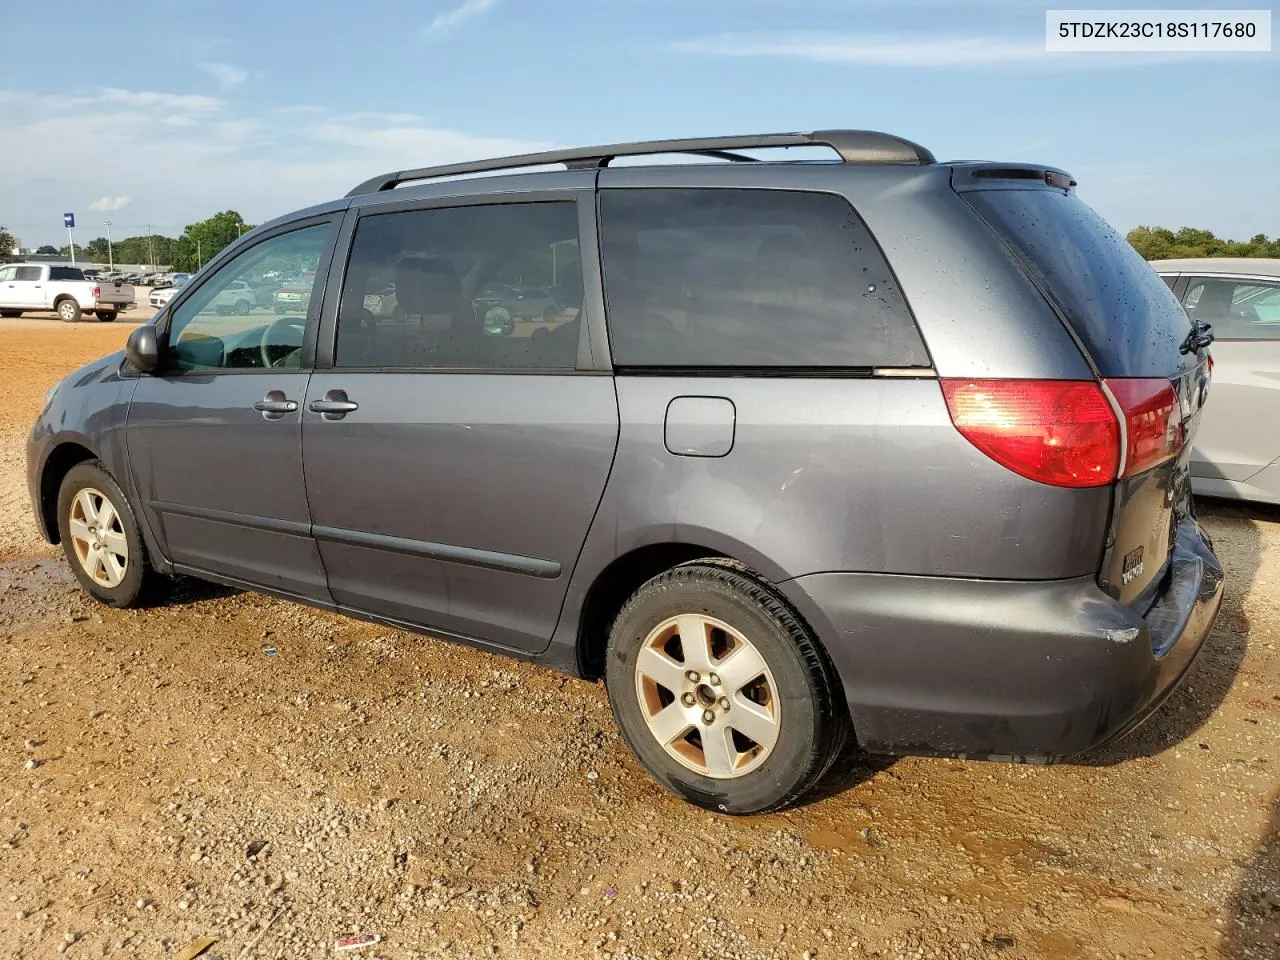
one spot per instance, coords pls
(10, 314)
(243, 308)
(139, 579)
(68, 310)
(814, 720)
(106, 316)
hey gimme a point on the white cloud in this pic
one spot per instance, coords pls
(110, 203)
(467, 10)
(146, 99)
(258, 161)
(228, 75)
(920, 52)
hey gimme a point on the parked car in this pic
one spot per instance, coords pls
(294, 295)
(170, 279)
(26, 287)
(826, 448)
(160, 295)
(1237, 452)
(522, 303)
(237, 297)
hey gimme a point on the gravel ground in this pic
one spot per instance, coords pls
(274, 777)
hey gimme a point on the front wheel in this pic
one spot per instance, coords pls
(68, 311)
(720, 690)
(100, 537)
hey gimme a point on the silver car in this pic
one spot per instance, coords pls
(1237, 453)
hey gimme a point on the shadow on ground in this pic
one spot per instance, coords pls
(1254, 933)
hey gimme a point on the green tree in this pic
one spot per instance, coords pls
(153, 250)
(1160, 243)
(95, 251)
(48, 248)
(1153, 244)
(200, 241)
(7, 242)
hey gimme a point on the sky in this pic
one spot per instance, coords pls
(164, 115)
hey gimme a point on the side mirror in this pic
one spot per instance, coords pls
(143, 349)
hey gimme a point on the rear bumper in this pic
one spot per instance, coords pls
(1026, 670)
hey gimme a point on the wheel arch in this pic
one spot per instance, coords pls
(57, 465)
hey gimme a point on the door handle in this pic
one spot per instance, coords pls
(334, 406)
(274, 405)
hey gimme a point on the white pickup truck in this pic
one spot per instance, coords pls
(26, 287)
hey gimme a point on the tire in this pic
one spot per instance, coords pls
(85, 490)
(68, 310)
(243, 307)
(795, 690)
(10, 314)
(106, 316)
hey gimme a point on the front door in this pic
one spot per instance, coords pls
(27, 288)
(215, 439)
(1238, 437)
(455, 452)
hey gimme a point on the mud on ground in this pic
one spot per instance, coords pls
(164, 776)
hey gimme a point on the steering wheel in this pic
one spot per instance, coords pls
(276, 345)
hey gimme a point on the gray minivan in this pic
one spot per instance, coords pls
(879, 445)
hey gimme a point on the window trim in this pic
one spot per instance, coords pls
(926, 370)
(1189, 281)
(232, 252)
(586, 362)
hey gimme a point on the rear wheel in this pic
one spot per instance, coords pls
(721, 691)
(100, 537)
(106, 316)
(10, 314)
(68, 310)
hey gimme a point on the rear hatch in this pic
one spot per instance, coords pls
(1137, 338)
(114, 291)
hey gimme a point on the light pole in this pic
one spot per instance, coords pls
(199, 256)
(111, 257)
(151, 254)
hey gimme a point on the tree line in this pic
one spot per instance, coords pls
(198, 243)
(1161, 243)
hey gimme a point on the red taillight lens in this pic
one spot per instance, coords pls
(97, 292)
(1152, 421)
(1059, 432)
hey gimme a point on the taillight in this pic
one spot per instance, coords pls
(1059, 432)
(1152, 422)
(97, 292)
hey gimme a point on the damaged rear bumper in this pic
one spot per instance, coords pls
(1027, 670)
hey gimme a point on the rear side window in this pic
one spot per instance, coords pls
(749, 279)
(473, 287)
(1126, 316)
(65, 273)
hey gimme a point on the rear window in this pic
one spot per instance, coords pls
(1125, 315)
(749, 279)
(65, 273)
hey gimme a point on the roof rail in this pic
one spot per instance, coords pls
(853, 146)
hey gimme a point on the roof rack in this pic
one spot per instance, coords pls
(853, 146)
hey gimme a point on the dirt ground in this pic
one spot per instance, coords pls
(237, 767)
